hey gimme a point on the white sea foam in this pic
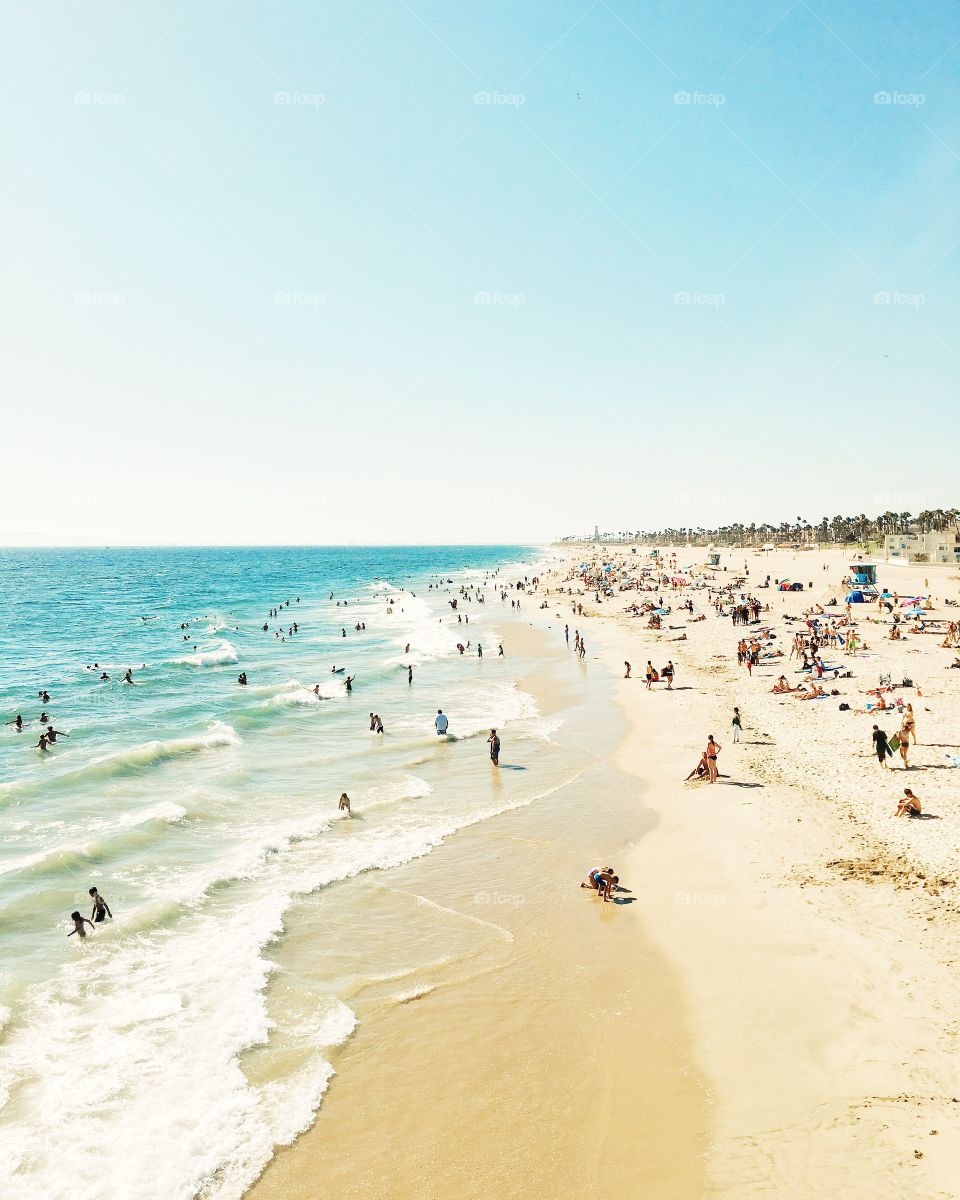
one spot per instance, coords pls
(223, 652)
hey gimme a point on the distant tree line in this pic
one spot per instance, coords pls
(847, 530)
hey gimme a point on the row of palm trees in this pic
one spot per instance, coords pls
(845, 530)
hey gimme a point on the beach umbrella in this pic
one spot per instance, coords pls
(854, 598)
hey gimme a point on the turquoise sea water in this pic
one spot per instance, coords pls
(204, 811)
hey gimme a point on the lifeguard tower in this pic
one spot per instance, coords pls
(713, 560)
(863, 578)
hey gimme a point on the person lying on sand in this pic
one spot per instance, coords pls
(816, 691)
(909, 805)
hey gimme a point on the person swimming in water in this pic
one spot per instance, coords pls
(104, 676)
(101, 909)
(348, 682)
(53, 734)
(344, 804)
(43, 744)
(78, 925)
(128, 675)
(17, 722)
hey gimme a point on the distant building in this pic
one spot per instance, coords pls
(937, 546)
(596, 533)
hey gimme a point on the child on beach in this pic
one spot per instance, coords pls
(78, 925)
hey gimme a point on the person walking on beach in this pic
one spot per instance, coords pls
(713, 749)
(566, 634)
(668, 675)
(627, 665)
(441, 722)
(737, 724)
(101, 909)
(880, 744)
(494, 742)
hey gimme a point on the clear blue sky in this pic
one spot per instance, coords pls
(234, 319)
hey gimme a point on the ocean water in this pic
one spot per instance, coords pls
(169, 1053)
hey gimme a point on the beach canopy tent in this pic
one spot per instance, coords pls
(796, 587)
(855, 597)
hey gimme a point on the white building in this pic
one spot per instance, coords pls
(938, 546)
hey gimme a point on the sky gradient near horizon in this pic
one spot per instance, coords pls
(416, 271)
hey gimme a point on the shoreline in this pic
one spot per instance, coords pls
(809, 1001)
(462, 1092)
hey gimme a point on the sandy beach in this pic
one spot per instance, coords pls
(773, 1016)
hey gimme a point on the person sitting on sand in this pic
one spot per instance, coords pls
(782, 686)
(700, 771)
(909, 805)
(816, 691)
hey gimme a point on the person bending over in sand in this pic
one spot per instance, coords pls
(78, 925)
(909, 805)
(344, 805)
(101, 909)
(610, 884)
(594, 879)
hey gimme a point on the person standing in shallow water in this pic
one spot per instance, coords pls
(101, 909)
(494, 743)
(78, 925)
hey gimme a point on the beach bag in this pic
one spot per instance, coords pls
(844, 707)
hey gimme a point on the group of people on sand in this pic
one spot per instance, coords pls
(886, 748)
(707, 768)
(604, 882)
